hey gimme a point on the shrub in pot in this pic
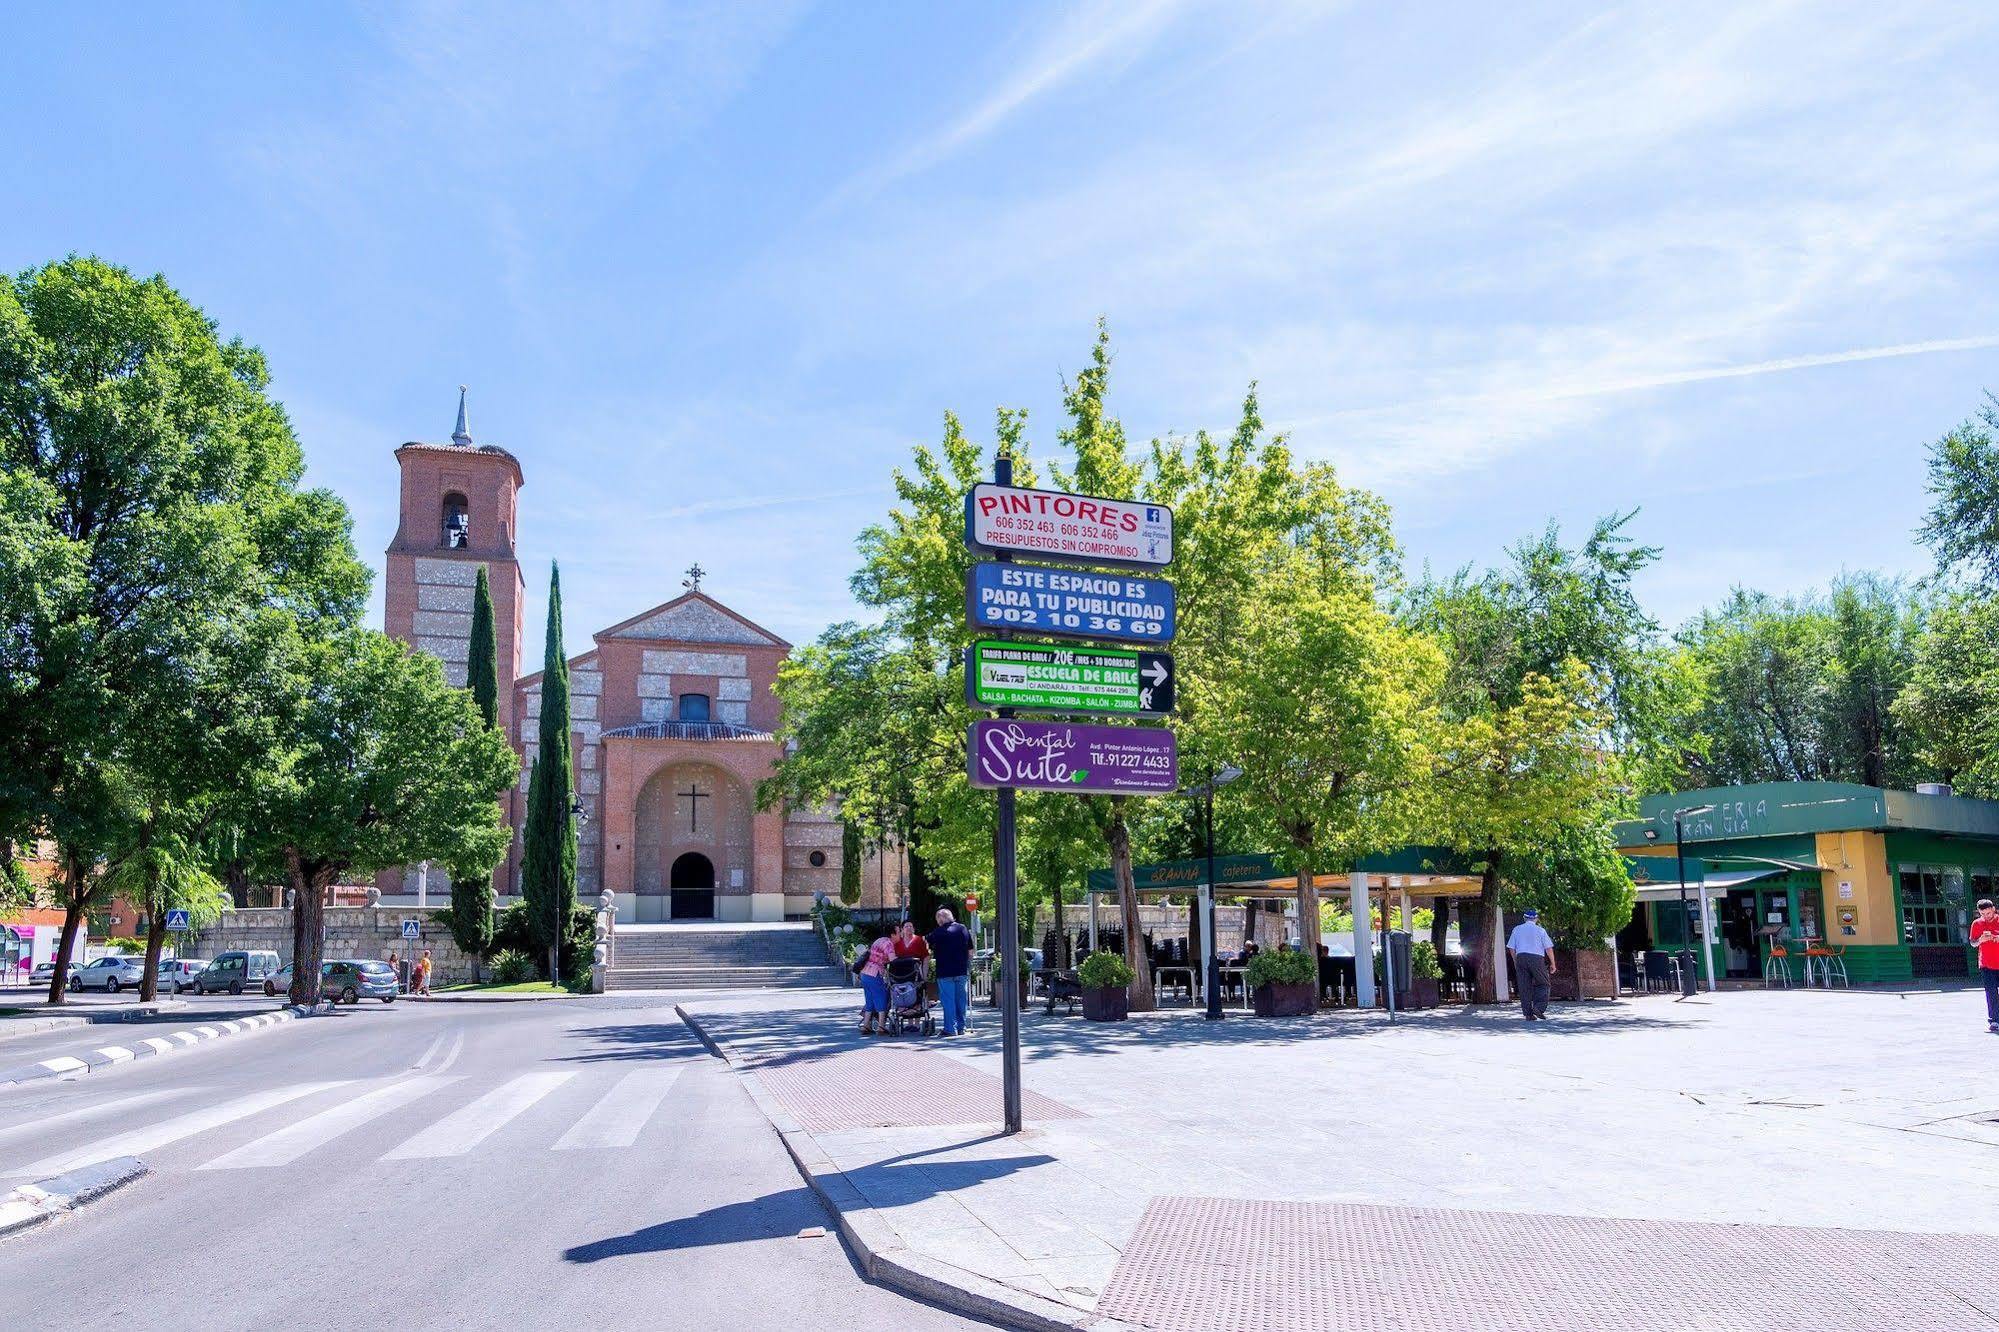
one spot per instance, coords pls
(1283, 984)
(1106, 979)
(1425, 976)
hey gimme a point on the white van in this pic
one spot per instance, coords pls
(237, 970)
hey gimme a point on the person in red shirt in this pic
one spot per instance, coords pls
(1985, 938)
(908, 943)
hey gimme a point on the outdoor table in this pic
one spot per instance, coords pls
(1240, 971)
(1160, 975)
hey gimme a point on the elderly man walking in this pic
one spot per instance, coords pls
(1533, 954)
(951, 944)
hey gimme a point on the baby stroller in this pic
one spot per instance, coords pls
(906, 1004)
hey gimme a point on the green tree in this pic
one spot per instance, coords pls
(1962, 525)
(852, 854)
(383, 764)
(472, 897)
(1951, 700)
(1556, 693)
(1577, 880)
(548, 849)
(1803, 688)
(151, 489)
(1327, 705)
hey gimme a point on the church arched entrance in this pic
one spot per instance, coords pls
(691, 843)
(691, 887)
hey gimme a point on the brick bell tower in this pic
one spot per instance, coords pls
(460, 503)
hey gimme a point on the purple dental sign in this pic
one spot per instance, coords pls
(1056, 756)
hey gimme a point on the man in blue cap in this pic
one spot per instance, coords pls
(1533, 954)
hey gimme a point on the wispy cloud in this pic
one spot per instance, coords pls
(1109, 33)
(1567, 390)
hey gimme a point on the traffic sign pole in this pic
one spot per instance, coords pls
(1006, 891)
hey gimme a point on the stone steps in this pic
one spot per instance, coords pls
(711, 958)
(719, 978)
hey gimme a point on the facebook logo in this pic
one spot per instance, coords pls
(1152, 515)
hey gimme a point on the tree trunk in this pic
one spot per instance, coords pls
(1142, 1000)
(149, 983)
(237, 875)
(308, 882)
(1061, 959)
(1249, 909)
(1485, 985)
(1440, 924)
(76, 901)
(1308, 894)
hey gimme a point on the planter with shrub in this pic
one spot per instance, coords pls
(1425, 976)
(1283, 984)
(1106, 979)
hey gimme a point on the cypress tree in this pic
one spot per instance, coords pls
(482, 665)
(548, 852)
(472, 899)
(850, 862)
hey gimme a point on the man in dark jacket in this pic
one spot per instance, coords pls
(951, 945)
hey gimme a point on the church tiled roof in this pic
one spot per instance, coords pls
(687, 731)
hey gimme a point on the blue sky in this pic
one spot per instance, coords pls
(710, 270)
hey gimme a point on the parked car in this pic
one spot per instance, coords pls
(178, 973)
(110, 974)
(44, 972)
(237, 970)
(348, 982)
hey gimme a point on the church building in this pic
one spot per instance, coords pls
(672, 714)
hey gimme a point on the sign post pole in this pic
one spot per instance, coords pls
(1007, 906)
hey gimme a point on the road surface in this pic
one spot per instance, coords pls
(446, 1165)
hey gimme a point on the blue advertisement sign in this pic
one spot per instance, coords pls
(1069, 603)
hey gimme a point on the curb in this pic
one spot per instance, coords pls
(30, 1205)
(883, 1256)
(106, 1056)
(17, 1027)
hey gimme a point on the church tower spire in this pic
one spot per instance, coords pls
(462, 435)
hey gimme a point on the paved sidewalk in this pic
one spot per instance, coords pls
(1756, 1129)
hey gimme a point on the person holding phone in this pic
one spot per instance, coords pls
(1985, 938)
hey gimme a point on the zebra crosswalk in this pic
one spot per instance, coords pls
(427, 1115)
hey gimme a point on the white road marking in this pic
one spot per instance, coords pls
(140, 1141)
(468, 1126)
(294, 1141)
(91, 1111)
(618, 1119)
(456, 1037)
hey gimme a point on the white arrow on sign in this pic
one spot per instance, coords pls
(1155, 671)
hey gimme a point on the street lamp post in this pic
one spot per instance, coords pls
(1216, 778)
(1680, 861)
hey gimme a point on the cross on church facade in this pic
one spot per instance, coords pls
(695, 573)
(695, 795)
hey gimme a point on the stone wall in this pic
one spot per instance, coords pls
(351, 932)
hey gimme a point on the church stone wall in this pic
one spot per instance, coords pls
(351, 932)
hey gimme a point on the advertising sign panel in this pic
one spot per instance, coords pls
(1063, 679)
(1002, 519)
(1062, 756)
(1068, 603)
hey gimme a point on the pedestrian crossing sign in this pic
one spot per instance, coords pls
(412, 928)
(177, 919)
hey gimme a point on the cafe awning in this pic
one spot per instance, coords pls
(1716, 884)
